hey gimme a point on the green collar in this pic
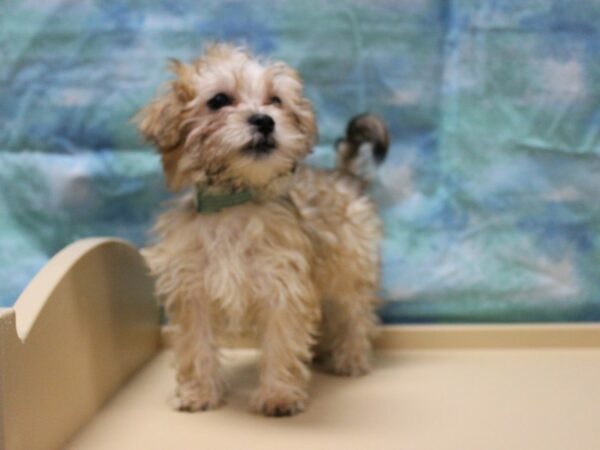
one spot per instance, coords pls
(211, 203)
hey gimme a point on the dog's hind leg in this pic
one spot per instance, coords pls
(349, 324)
(348, 276)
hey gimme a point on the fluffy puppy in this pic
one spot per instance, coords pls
(259, 244)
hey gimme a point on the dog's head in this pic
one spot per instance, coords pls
(228, 120)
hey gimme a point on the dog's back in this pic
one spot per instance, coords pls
(327, 199)
(340, 218)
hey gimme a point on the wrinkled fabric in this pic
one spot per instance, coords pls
(490, 193)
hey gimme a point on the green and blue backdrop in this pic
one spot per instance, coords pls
(491, 193)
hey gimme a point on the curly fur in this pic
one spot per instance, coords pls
(298, 267)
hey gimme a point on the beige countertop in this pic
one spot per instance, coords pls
(81, 363)
(429, 399)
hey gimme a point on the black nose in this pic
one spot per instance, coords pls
(263, 123)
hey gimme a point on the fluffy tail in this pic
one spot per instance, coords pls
(364, 147)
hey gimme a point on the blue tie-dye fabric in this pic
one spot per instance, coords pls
(490, 194)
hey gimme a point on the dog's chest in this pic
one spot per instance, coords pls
(240, 251)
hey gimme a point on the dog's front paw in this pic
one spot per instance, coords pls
(277, 404)
(193, 396)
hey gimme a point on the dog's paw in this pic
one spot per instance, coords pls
(349, 365)
(277, 405)
(192, 397)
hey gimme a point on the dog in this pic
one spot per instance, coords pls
(260, 244)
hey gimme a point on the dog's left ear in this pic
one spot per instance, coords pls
(307, 121)
(290, 82)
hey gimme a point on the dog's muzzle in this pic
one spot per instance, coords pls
(263, 123)
(263, 142)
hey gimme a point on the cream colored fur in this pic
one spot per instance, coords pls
(298, 267)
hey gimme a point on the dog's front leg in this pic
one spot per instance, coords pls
(200, 384)
(286, 339)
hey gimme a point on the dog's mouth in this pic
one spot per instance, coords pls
(262, 146)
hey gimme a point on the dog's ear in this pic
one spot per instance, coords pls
(290, 82)
(162, 120)
(307, 122)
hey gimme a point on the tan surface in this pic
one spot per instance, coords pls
(87, 321)
(82, 326)
(438, 337)
(455, 400)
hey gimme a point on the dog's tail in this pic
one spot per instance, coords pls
(364, 147)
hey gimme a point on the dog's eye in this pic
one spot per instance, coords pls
(219, 100)
(275, 100)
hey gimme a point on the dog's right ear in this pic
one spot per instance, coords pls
(162, 121)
